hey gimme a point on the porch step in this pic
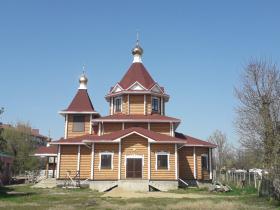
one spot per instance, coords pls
(134, 185)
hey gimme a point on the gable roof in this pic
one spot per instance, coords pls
(137, 73)
(191, 141)
(80, 103)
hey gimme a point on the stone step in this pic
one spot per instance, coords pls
(134, 185)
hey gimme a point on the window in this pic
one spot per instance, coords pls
(78, 123)
(162, 160)
(118, 104)
(204, 161)
(155, 104)
(106, 161)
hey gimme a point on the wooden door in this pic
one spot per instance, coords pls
(134, 168)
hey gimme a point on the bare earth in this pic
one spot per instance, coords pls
(119, 193)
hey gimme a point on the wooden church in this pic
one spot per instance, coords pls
(136, 145)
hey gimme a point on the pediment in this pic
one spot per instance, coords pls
(117, 88)
(156, 89)
(136, 86)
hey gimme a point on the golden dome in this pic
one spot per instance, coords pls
(137, 50)
(83, 79)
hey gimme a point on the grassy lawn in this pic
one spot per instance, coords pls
(37, 199)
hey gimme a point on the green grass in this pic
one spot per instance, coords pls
(41, 199)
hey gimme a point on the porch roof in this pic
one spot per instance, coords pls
(117, 135)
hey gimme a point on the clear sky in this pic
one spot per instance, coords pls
(195, 49)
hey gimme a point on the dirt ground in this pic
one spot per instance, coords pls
(119, 193)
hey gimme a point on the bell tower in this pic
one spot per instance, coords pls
(79, 114)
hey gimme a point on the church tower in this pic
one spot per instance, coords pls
(137, 93)
(80, 112)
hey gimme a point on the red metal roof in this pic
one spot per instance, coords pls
(119, 134)
(137, 73)
(191, 141)
(137, 118)
(81, 102)
(46, 150)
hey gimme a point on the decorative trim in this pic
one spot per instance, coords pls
(135, 120)
(135, 93)
(90, 122)
(79, 157)
(198, 145)
(210, 162)
(162, 153)
(99, 129)
(134, 132)
(92, 162)
(128, 103)
(176, 162)
(157, 87)
(66, 126)
(116, 87)
(171, 129)
(111, 106)
(161, 105)
(119, 164)
(145, 105)
(58, 162)
(123, 126)
(137, 83)
(194, 163)
(112, 159)
(77, 112)
(45, 155)
(149, 160)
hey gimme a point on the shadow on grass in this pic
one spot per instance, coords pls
(8, 192)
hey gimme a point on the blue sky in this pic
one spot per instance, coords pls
(195, 49)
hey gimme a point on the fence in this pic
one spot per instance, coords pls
(239, 178)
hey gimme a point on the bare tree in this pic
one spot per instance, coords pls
(223, 156)
(258, 112)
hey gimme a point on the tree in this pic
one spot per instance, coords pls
(258, 113)
(3, 143)
(223, 154)
(20, 145)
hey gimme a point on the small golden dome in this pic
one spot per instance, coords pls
(137, 50)
(83, 79)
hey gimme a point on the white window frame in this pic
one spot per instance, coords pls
(154, 97)
(115, 104)
(168, 164)
(112, 158)
(207, 159)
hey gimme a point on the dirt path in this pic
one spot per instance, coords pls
(119, 193)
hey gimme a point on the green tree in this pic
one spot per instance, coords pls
(20, 144)
(3, 142)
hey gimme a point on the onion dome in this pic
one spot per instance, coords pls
(137, 53)
(83, 81)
